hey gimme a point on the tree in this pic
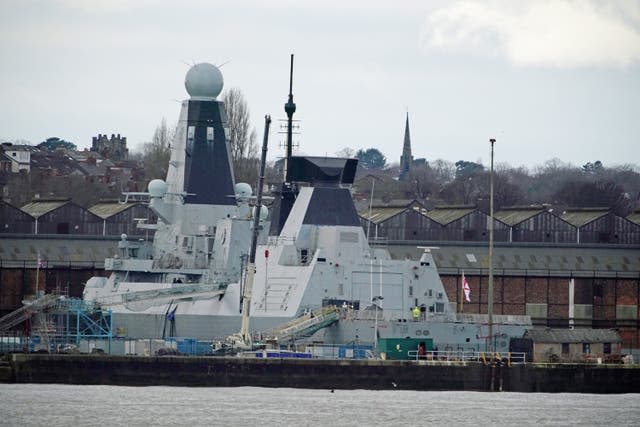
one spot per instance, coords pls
(54, 143)
(371, 158)
(505, 193)
(443, 171)
(242, 140)
(346, 152)
(465, 169)
(551, 176)
(421, 183)
(157, 153)
(467, 186)
(592, 168)
(595, 194)
(462, 191)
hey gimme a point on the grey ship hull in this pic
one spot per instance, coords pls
(447, 334)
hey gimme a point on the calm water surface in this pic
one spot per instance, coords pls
(68, 405)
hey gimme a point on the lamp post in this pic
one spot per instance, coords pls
(490, 296)
(375, 327)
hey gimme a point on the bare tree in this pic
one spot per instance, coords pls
(421, 183)
(243, 145)
(156, 154)
(346, 152)
(443, 171)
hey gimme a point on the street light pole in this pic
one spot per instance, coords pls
(375, 328)
(490, 296)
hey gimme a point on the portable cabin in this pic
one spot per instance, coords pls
(574, 345)
(403, 348)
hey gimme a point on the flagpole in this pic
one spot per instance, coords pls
(37, 275)
(462, 295)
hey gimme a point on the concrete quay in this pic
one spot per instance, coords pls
(318, 373)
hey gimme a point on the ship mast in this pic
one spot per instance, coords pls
(287, 194)
(289, 108)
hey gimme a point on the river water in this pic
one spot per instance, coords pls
(70, 405)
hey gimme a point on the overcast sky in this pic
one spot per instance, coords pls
(545, 78)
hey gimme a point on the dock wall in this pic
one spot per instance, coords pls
(320, 374)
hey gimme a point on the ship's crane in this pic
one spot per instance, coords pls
(242, 340)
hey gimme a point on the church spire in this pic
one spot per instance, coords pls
(406, 159)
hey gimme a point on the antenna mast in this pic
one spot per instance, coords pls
(289, 108)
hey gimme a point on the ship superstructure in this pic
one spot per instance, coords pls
(204, 227)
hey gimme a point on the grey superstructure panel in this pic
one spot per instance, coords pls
(331, 206)
(207, 175)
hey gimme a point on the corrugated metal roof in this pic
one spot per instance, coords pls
(420, 209)
(573, 335)
(38, 208)
(514, 216)
(108, 209)
(580, 217)
(381, 214)
(65, 249)
(635, 217)
(447, 214)
(540, 260)
(10, 207)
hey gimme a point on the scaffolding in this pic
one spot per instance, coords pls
(60, 324)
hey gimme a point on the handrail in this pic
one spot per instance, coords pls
(509, 358)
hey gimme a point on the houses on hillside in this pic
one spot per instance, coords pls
(30, 171)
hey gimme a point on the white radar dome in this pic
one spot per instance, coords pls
(203, 81)
(157, 188)
(243, 190)
(264, 212)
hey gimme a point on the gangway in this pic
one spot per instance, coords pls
(162, 296)
(306, 325)
(26, 311)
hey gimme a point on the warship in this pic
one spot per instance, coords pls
(314, 275)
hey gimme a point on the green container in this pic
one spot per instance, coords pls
(399, 348)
